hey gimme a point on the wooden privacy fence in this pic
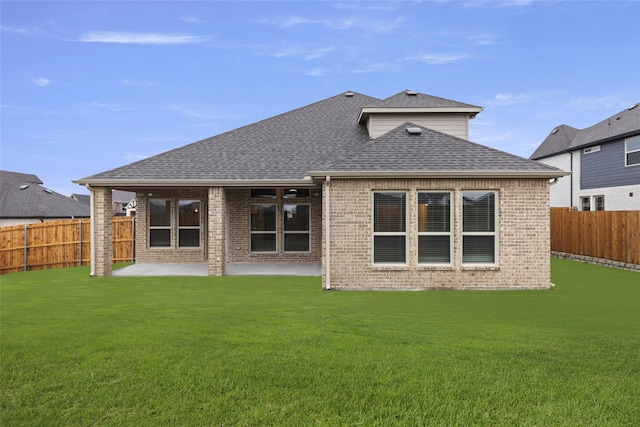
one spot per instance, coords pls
(612, 235)
(60, 244)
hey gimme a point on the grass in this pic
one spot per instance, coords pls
(279, 351)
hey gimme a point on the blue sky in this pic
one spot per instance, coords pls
(89, 86)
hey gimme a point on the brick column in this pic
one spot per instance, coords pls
(216, 231)
(101, 231)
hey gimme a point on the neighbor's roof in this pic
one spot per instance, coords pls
(565, 138)
(279, 150)
(417, 151)
(22, 196)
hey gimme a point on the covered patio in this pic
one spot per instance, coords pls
(232, 269)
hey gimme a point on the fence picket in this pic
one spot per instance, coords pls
(59, 244)
(613, 235)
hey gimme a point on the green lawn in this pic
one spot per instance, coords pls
(279, 351)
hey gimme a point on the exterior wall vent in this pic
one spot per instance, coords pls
(593, 149)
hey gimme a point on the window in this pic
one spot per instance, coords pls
(632, 151)
(434, 228)
(598, 201)
(296, 228)
(263, 193)
(479, 227)
(159, 223)
(263, 228)
(585, 203)
(296, 193)
(389, 227)
(189, 223)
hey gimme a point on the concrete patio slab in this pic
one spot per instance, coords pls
(163, 270)
(274, 269)
(234, 269)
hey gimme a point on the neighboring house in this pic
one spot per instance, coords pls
(23, 200)
(124, 202)
(82, 198)
(384, 193)
(604, 160)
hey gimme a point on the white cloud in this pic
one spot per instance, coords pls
(339, 23)
(305, 53)
(317, 72)
(590, 102)
(502, 99)
(139, 38)
(27, 31)
(127, 82)
(439, 58)
(107, 106)
(41, 81)
(483, 40)
(371, 68)
(191, 19)
(132, 157)
(208, 114)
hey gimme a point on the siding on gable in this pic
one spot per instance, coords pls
(605, 168)
(450, 123)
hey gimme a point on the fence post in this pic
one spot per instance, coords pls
(80, 243)
(25, 247)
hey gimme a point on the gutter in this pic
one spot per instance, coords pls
(441, 174)
(107, 182)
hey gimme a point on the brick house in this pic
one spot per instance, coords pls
(383, 193)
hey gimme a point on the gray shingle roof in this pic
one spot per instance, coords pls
(286, 146)
(291, 145)
(33, 200)
(432, 151)
(620, 125)
(418, 100)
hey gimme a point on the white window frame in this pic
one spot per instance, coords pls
(160, 227)
(627, 151)
(285, 232)
(274, 232)
(582, 202)
(189, 227)
(595, 202)
(390, 233)
(450, 233)
(494, 233)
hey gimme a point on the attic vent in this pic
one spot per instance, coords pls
(553, 132)
(349, 94)
(411, 92)
(414, 130)
(634, 106)
(46, 190)
(24, 186)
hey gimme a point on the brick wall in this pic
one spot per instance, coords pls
(523, 236)
(239, 205)
(102, 230)
(173, 254)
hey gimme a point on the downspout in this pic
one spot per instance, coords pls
(92, 244)
(327, 235)
(571, 182)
